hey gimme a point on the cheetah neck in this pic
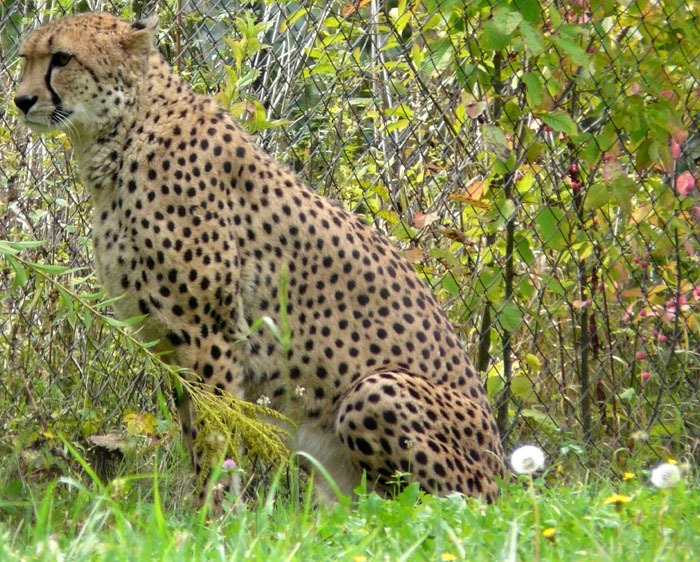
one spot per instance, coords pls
(100, 154)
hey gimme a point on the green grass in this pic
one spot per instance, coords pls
(126, 520)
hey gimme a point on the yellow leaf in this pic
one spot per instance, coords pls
(657, 289)
(414, 255)
(533, 363)
(631, 293)
(469, 201)
(140, 423)
(457, 236)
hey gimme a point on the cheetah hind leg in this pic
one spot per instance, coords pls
(395, 422)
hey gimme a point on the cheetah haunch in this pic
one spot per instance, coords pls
(193, 226)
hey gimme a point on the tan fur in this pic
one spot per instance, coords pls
(195, 226)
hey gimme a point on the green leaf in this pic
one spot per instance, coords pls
(530, 10)
(449, 283)
(9, 247)
(533, 362)
(492, 39)
(496, 141)
(597, 196)
(50, 269)
(505, 209)
(540, 417)
(526, 290)
(523, 388)
(532, 38)
(440, 56)
(534, 91)
(21, 276)
(510, 316)
(623, 190)
(572, 49)
(522, 247)
(561, 121)
(505, 21)
(552, 225)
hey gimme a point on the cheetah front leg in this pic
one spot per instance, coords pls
(214, 362)
(398, 423)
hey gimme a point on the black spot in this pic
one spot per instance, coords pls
(388, 390)
(389, 416)
(143, 307)
(364, 447)
(421, 458)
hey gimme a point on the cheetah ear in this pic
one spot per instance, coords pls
(140, 39)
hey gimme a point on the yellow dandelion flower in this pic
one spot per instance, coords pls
(627, 476)
(447, 556)
(359, 558)
(550, 533)
(617, 499)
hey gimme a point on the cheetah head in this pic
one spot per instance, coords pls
(80, 73)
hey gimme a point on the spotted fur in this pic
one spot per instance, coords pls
(194, 226)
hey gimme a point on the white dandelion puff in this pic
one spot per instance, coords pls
(527, 459)
(665, 476)
(263, 401)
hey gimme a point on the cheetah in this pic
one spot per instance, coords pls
(193, 227)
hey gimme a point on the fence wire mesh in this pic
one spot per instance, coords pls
(537, 161)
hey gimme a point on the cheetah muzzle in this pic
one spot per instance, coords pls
(194, 226)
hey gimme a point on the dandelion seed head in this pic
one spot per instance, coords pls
(527, 459)
(665, 476)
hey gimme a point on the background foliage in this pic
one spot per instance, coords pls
(537, 161)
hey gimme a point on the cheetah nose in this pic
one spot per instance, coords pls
(25, 103)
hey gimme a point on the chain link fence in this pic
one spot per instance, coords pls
(537, 161)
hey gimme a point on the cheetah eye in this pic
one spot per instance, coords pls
(60, 59)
